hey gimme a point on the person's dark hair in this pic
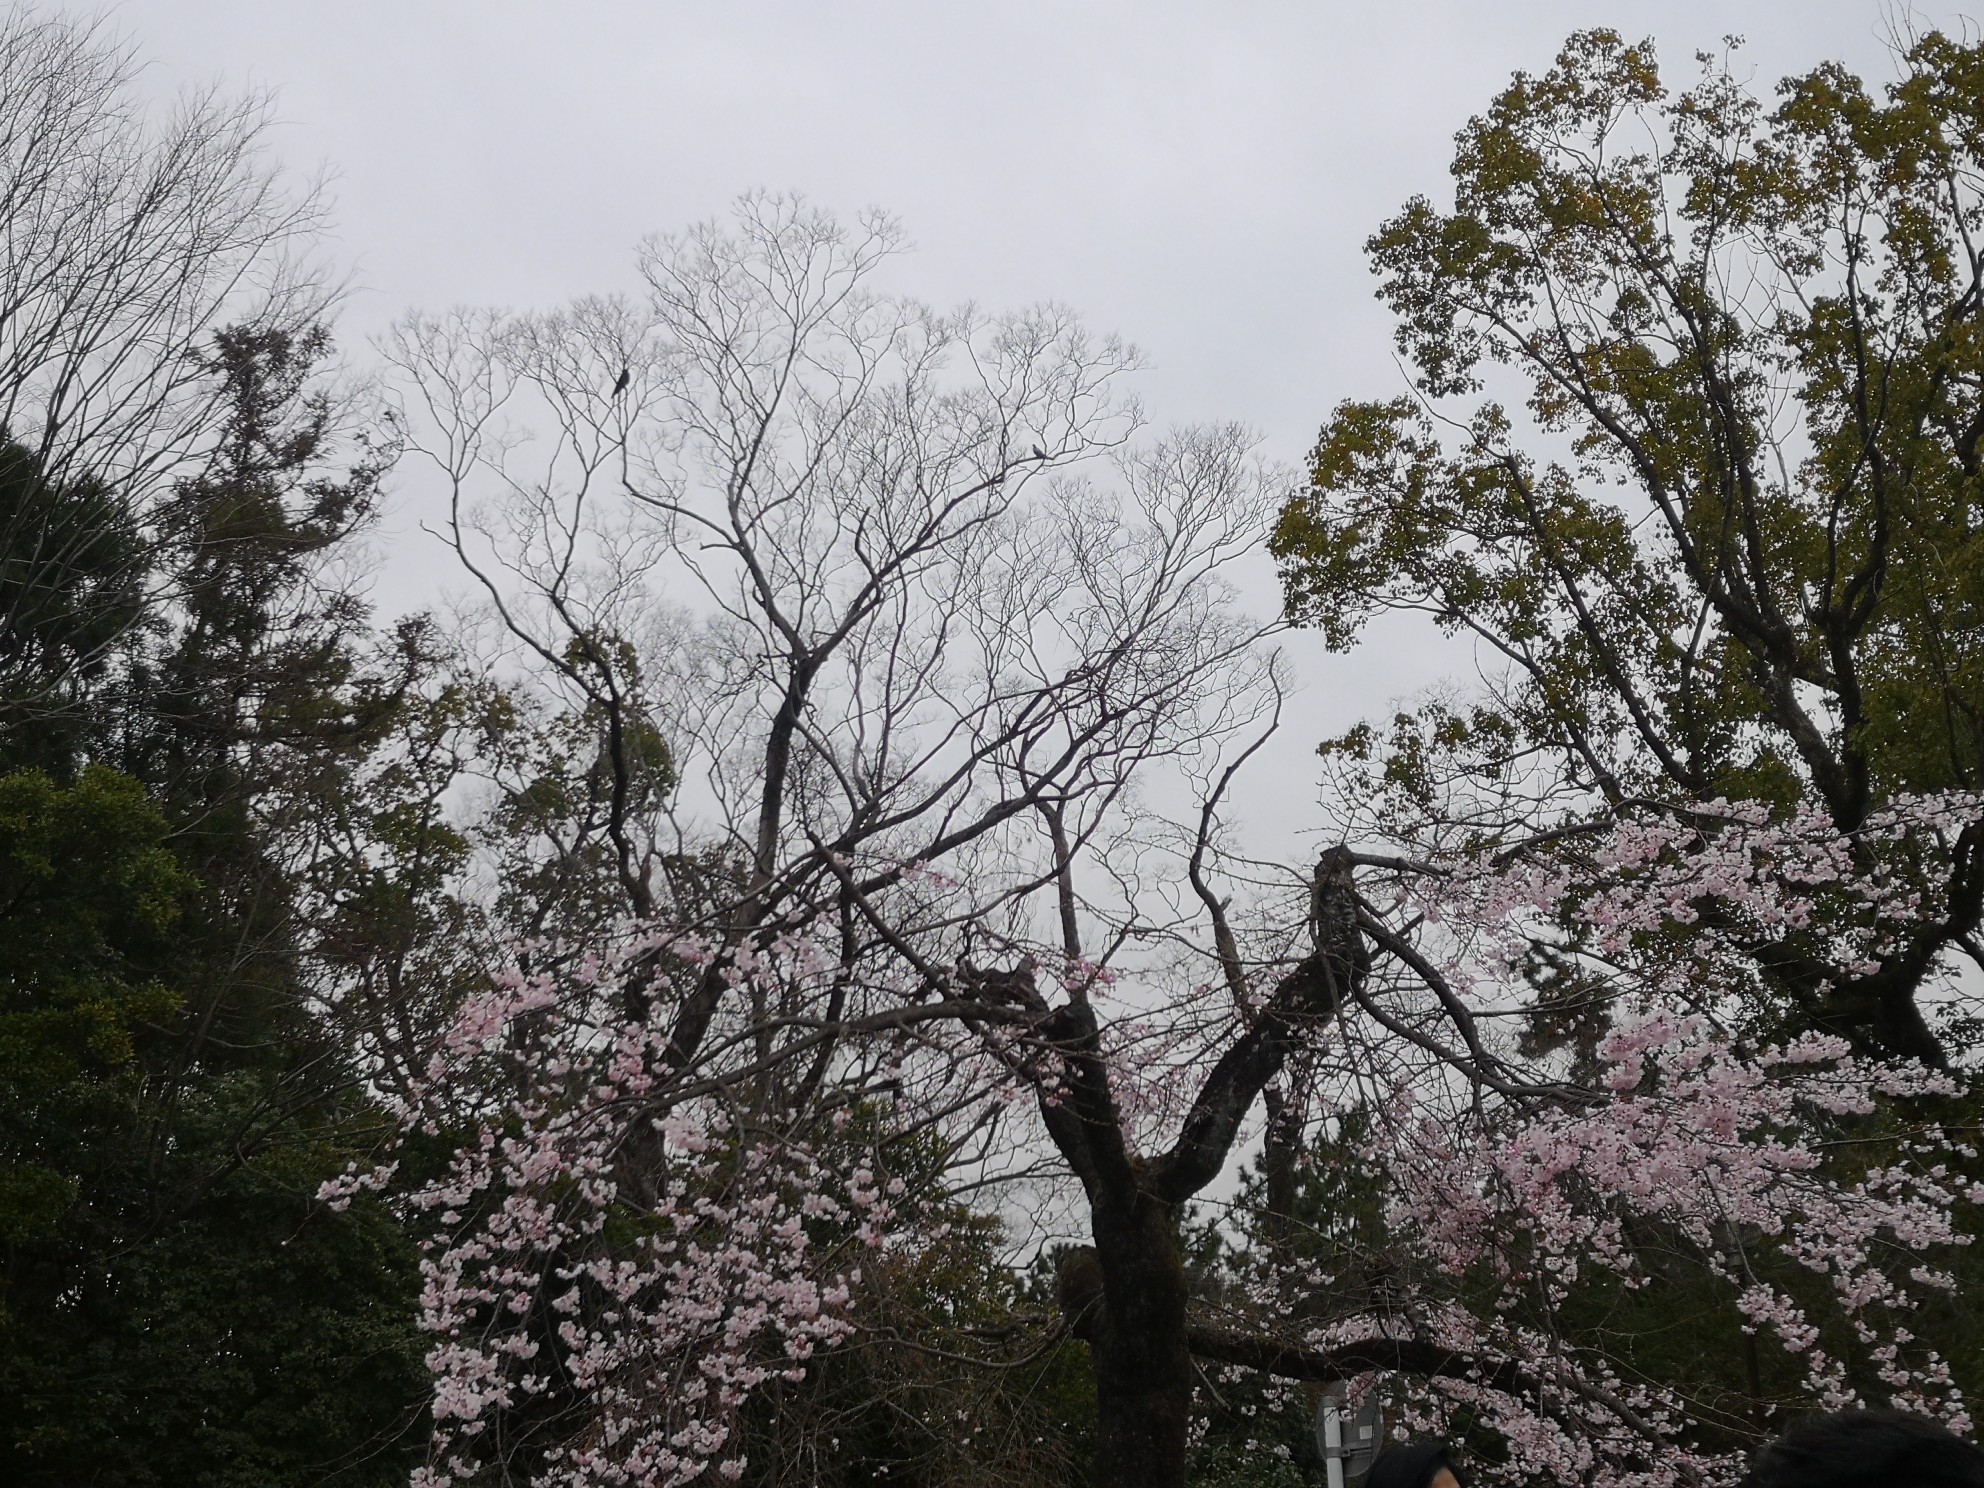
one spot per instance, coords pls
(1412, 1467)
(1868, 1449)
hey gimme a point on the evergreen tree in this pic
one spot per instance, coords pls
(179, 1306)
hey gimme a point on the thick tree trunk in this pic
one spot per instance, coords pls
(1126, 1300)
(1126, 1297)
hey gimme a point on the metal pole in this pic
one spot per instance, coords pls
(1333, 1444)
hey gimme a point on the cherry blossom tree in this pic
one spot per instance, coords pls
(937, 888)
(1664, 1124)
(645, 1305)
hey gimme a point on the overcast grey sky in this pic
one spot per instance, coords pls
(1199, 177)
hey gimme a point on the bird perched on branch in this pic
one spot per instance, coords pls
(626, 376)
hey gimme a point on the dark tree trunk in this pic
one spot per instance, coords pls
(1126, 1296)
(1126, 1300)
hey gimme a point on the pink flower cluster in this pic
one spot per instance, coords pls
(629, 1244)
(614, 1257)
(1762, 1162)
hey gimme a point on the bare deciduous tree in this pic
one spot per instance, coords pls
(919, 633)
(951, 640)
(128, 237)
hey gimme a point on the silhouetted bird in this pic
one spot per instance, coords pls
(621, 386)
(1039, 453)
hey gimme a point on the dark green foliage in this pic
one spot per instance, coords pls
(1314, 1240)
(89, 897)
(179, 1308)
(213, 1324)
(957, 1377)
(580, 777)
(72, 570)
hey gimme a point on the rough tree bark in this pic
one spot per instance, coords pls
(1125, 1295)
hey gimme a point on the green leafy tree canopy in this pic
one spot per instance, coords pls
(1728, 544)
